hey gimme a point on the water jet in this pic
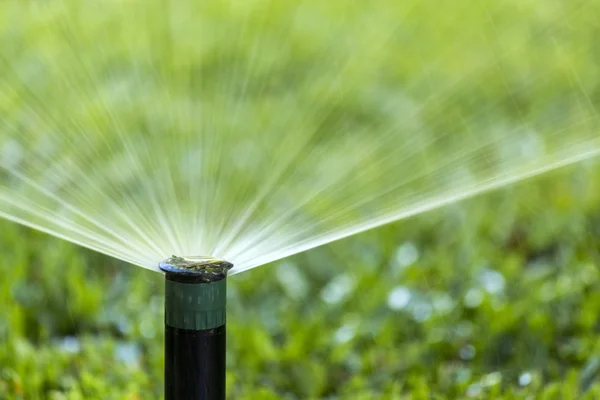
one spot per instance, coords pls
(195, 298)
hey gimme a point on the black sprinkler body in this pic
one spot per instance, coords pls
(195, 299)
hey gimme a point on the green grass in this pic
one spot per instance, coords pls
(496, 297)
(306, 339)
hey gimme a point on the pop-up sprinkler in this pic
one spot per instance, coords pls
(195, 296)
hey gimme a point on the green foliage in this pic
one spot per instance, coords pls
(503, 304)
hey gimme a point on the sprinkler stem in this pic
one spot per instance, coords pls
(195, 296)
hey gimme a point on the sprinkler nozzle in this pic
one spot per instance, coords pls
(195, 269)
(195, 291)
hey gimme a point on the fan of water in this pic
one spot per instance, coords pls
(254, 129)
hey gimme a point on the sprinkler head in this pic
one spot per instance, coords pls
(195, 302)
(198, 269)
(195, 292)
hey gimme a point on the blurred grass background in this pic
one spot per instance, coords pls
(499, 294)
(495, 297)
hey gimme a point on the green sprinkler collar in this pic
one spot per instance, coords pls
(195, 292)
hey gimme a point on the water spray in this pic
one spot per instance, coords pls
(195, 297)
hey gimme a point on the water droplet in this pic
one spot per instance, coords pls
(345, 333)
(473, 298)
(525, 378)
(128, 353)
(443, 303)
(492, 379)
(70, 344)
(422, 311)
(463, 375)
(406, 255)
(467, 352)
(123, 325)
(474, 390)
(399, 298)
(338, 289)
(492, 281)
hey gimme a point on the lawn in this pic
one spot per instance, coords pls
(497, 296)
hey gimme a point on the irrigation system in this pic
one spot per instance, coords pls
(195, 297)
